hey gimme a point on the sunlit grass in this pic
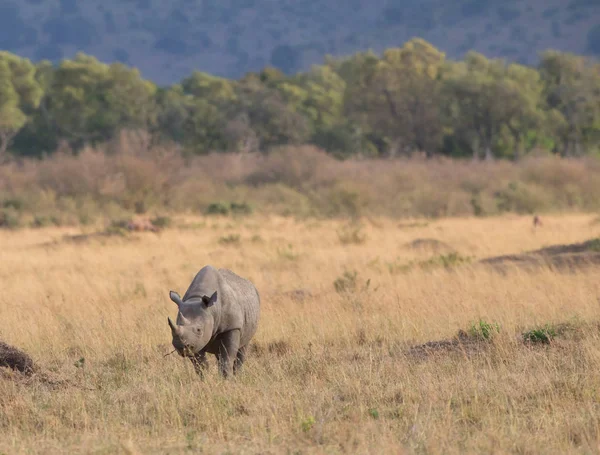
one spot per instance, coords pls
(328, 374)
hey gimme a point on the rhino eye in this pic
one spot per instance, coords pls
(198, 330)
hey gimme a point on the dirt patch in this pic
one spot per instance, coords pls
(15, 359)
(433, 245)
(17, 366)
(563, 257)
(590, 246)
(461, 343)
(44, 378)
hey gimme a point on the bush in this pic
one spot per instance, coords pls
(9, 219)
(223, 208)
(352, 234)
(161, 221)
(541, 334)
(217, 208)
(298, 181)
(346, 283)
(41, 221)
(240, 208)
(483, 330)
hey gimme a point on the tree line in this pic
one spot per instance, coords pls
(409, 99)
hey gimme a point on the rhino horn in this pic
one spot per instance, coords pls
(184, 320)
(174, 328)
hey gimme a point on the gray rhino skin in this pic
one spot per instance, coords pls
(218, 314)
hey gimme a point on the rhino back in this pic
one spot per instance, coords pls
(245, 299)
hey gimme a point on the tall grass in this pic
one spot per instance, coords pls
(330, 374)
(133, 176)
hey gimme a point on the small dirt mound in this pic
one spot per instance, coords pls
(434, 245)
(15, 359)
(462, 343)
(564, 257)
(590, 246)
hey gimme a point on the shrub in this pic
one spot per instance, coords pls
(241, 208)
(483, 330)
(543, 334)
(161, 221)
(41, 221)
(217, 208)
(346, 283)
(9, 219)
(351, 234)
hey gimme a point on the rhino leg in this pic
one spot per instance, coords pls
(239, 359)
(200, 363)
(228, 349)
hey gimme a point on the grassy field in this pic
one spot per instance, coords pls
(333, 373)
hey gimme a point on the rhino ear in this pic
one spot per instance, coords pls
(210, 301)
(175, 297)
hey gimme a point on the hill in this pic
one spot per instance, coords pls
(167, 40)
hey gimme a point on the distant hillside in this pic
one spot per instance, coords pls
(168, 39)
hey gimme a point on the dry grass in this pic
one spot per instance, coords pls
(328, 374)
(131, 175)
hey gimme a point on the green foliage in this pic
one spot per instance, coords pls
(573, 109)
(594, 245)
(519, 198)
(9, 218)
(240, 208)
(217, 208)
(162, 221)
(483, 330)
(407, 100)
(352, 234)
(88, 101)
(307, 423)
(117, 227)
(223, 208)
(490, 103)
(347, 282)
(543, 334)
(20, 95)
(41, 221)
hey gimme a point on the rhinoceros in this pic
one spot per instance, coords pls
(218, 314)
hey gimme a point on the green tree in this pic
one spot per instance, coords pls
(572, 90)
(90, 101)
(173, 108)
(399, 96)
(20, 94)
(211, 88)
(261, 114)
(485, 99)
(522, 92)
(192, 121)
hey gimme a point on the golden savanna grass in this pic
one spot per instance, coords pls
(330, 374)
